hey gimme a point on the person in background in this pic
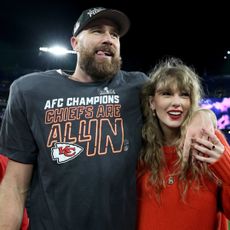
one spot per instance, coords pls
(172, 194)
(73, 140)
(3, 164)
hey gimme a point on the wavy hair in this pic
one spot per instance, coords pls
(167, 74)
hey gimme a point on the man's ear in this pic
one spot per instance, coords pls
(74, 43)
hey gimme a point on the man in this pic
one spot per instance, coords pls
(78, 135)
(73, 140)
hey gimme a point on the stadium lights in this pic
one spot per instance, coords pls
(227, 55)
(57, 50)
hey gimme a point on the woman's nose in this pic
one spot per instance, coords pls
(176, 101)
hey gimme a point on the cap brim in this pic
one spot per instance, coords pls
(119, 18)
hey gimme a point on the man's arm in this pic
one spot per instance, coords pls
(201, 119)
(13, 192)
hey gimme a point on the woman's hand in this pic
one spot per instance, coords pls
(208, 149)
(201, 119)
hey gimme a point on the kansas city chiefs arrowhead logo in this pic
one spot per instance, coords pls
(63, 152)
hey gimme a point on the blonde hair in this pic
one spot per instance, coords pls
(167, 74)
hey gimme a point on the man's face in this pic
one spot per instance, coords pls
(99, 50)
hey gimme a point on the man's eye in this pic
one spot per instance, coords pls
(96, 31)
(115, 35)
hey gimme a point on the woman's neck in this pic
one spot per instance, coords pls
(171, 137)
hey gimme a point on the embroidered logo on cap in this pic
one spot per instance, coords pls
(94, 11)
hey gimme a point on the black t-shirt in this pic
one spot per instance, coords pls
(84, 140)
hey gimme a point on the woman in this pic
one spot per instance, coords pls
(172, 194)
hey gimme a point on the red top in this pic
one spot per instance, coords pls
(3, 164)
(199, 211)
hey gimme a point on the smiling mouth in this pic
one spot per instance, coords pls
(104, 53)
(175, 115)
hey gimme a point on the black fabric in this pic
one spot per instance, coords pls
(84, 140)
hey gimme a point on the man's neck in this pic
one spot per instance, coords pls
(81, 76)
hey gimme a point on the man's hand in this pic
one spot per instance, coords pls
(202, 119)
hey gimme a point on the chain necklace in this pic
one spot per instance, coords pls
(169, 165)
(170, 177)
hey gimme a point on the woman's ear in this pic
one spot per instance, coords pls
(152, 103)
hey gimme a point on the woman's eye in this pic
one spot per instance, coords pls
(185, 94)
(166, 93)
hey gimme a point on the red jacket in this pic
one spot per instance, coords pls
(199, 211)
(3, 164)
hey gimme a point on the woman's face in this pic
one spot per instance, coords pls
(171, 106)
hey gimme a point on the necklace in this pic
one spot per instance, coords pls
(170, 159)
(170, 180)
(170, 177)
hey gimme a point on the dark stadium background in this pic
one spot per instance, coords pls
(197, 34)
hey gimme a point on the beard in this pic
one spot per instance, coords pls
(99, 71)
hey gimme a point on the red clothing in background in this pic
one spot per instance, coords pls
(198, 212)
(3, 164)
